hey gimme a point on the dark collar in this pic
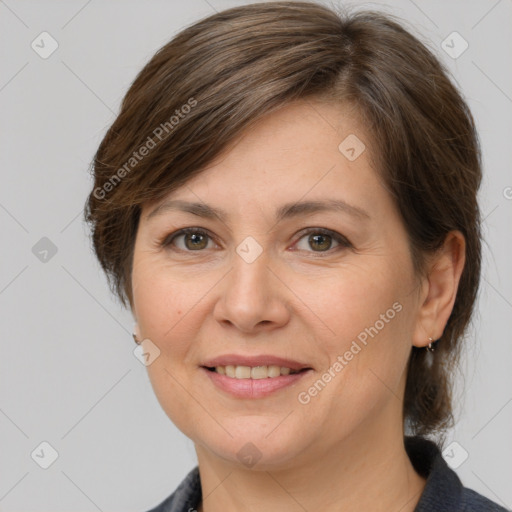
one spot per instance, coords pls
(443, 487)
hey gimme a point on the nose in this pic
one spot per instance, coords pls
(252, 299)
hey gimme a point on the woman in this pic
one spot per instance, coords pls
(287, 203)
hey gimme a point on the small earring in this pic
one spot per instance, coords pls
(430, 346)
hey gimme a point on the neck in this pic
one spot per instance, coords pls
(370, 470)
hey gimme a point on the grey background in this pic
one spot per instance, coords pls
(67, 369)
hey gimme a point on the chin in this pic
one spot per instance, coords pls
(255, 447)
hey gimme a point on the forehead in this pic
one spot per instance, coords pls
(304, 150)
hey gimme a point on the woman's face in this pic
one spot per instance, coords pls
(305, 264)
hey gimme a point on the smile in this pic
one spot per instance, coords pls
(267, 380)
(254, 372)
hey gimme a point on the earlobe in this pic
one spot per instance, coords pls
(136, 333)
(441, 287)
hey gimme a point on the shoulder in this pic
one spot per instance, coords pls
(444, 491)
(474, 502)
(185, 498)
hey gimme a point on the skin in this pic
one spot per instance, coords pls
(344, 449)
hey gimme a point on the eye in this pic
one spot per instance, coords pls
(321, 240)
(189, 239)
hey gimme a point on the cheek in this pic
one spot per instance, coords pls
(351, 299)
(159, 301)
(168, 301)
(368, 313)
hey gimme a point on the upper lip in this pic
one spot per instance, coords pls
(259, 360)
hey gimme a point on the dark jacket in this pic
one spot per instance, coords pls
(443, 492)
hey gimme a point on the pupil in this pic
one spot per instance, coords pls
(323, 241)
(195, 241)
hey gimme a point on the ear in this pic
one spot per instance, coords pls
(439, 289)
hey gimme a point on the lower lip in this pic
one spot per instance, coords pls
(253, 388)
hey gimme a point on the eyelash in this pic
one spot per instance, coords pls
(340, 239)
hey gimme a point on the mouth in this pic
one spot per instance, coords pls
(254, 372)
(253, 377)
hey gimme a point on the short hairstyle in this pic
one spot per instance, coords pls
(215, 78)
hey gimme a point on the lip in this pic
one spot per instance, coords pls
(257, 360)
(252, 388)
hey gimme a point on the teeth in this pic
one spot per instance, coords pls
(242, 372)
(274, 371)
(259, 372)
(255, 372)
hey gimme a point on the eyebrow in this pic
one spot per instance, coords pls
(286, 211)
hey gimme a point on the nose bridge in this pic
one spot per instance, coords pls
(251, 296)
(250, 276)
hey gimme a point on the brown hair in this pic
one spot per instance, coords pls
(218, 76)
